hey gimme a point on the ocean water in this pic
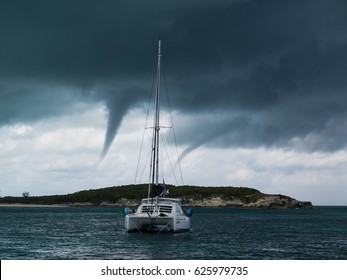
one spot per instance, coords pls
(98, 233)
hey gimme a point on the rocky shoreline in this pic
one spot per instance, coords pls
(215, 202)
(267, 201)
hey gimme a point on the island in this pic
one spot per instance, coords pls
(192, 196)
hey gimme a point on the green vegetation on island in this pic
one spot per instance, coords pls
(130, 195)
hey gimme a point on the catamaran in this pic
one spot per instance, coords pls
(157, 212)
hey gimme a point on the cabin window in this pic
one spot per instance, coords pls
(165, 208)
(146, 209)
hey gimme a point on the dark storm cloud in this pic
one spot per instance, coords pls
(275, 70)
(20, 103)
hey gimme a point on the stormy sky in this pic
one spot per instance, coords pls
(257, 88)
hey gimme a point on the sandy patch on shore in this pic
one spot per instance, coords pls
(30, 205)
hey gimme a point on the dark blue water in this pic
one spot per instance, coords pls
(98, 233)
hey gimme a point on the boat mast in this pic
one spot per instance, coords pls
(155, 144)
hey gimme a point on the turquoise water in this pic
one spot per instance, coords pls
(98, 233)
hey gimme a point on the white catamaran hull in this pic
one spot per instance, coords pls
(141, 222)
(158, 214)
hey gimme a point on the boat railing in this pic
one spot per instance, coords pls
(162, 200)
